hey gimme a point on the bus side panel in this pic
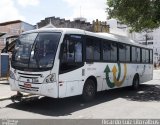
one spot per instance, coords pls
(146, 72)
(71, 83)
(116, 75)
(109, 75)
(96, 70)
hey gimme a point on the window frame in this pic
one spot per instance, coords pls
(109, 42)
(76, 64)
(100, 48)
(150, 61)
(136, 47)
(103, 41)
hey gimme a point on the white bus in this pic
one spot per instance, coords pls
(64, 62)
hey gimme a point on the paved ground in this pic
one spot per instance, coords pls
(5, 91)
(119, 103)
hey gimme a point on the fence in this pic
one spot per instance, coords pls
(4, 66)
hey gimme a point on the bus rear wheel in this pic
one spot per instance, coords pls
(89, 90)
(135, 84)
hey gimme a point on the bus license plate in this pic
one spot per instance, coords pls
(27, 85)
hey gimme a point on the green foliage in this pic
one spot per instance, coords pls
(140, 15)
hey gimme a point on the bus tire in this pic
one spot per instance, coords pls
(135, 83)
(89, 90)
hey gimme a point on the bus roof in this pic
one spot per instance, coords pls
(109, 36)
(66, 30)
(117, 38)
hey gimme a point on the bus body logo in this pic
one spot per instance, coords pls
(116, 80)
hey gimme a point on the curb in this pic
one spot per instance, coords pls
(4, 83)
(4, 98)
(8, 98)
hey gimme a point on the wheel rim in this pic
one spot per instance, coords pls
(90, 90)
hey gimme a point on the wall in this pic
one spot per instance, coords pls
(96, 26)
(10, 29)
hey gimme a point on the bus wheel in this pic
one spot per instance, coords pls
(89, 90)
(135, 84)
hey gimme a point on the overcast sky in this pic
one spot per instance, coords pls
(32, 11)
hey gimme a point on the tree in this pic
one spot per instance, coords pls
(140, 15)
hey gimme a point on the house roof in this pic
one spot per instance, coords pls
(50, 25)
(10, 22)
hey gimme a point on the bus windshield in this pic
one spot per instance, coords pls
(35, 51)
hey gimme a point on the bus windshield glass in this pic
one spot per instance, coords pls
(35, 51)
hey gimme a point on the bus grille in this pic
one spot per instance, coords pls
(29, 89)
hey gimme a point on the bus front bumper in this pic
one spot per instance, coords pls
(49, 89)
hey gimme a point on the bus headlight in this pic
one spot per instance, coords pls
(50, 79)
(11, 75)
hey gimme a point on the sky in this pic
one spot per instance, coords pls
(32, 11)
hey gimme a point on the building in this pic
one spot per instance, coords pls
(1, 43)
(80, 23)
(116, 27)
(12, 28)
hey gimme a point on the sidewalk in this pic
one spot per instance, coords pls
(5, 91)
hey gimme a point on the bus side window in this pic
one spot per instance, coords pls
(138, 55)
(113, 52)
(134, 54)
(64, 50)
(143, 56)
(151, 56)
(106, 51)
(92, 49)
(128, 51)
(122, 57)
(71, 53)
(147, 56)
(78, 51)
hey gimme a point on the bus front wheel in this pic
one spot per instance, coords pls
(135, 84)
(89, 90)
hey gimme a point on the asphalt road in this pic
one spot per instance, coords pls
(119, 103)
